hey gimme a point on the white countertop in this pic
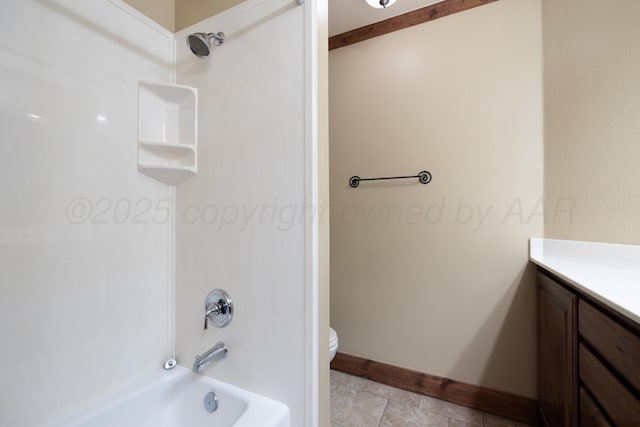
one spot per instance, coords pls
(609, 273)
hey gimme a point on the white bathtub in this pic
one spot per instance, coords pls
(176, 399)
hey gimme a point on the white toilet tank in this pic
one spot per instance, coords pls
(333, 343)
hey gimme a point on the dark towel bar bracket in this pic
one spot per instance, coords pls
(424, 177)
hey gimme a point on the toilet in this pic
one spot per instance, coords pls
(333, 343)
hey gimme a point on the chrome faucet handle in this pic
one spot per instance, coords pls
(215, 310)
(218, 309)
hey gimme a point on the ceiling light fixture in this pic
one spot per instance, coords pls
(380, 4)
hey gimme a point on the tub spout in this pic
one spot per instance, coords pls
(215, 353)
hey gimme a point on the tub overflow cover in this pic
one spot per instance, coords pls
(211, 402)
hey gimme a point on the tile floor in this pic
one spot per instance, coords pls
(358, 402)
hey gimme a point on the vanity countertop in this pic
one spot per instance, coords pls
(610, 273)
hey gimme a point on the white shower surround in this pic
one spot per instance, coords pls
(84, 285)
(257, 154)
(87, 305)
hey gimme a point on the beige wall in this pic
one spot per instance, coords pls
(176, 15)
(189, 12)
(592, 119)
(161, 11)
(439, 280)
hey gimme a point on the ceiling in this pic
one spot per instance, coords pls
(345, 15)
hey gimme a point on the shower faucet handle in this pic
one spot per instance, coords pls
(218, 309)
(215, 310)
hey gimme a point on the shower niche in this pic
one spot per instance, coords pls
(167, 131)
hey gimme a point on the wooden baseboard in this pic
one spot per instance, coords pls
(504, 404)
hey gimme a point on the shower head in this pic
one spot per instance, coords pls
(200, 43)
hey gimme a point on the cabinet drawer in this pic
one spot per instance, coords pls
(619, 346)
(590, 414)
(620, 405)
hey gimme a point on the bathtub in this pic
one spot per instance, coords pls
(175, 398)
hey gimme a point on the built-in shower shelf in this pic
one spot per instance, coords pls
(168, 174)
(167, 131)
(157, 153)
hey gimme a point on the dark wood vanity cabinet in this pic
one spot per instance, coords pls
(557, 353)
(588, 359)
